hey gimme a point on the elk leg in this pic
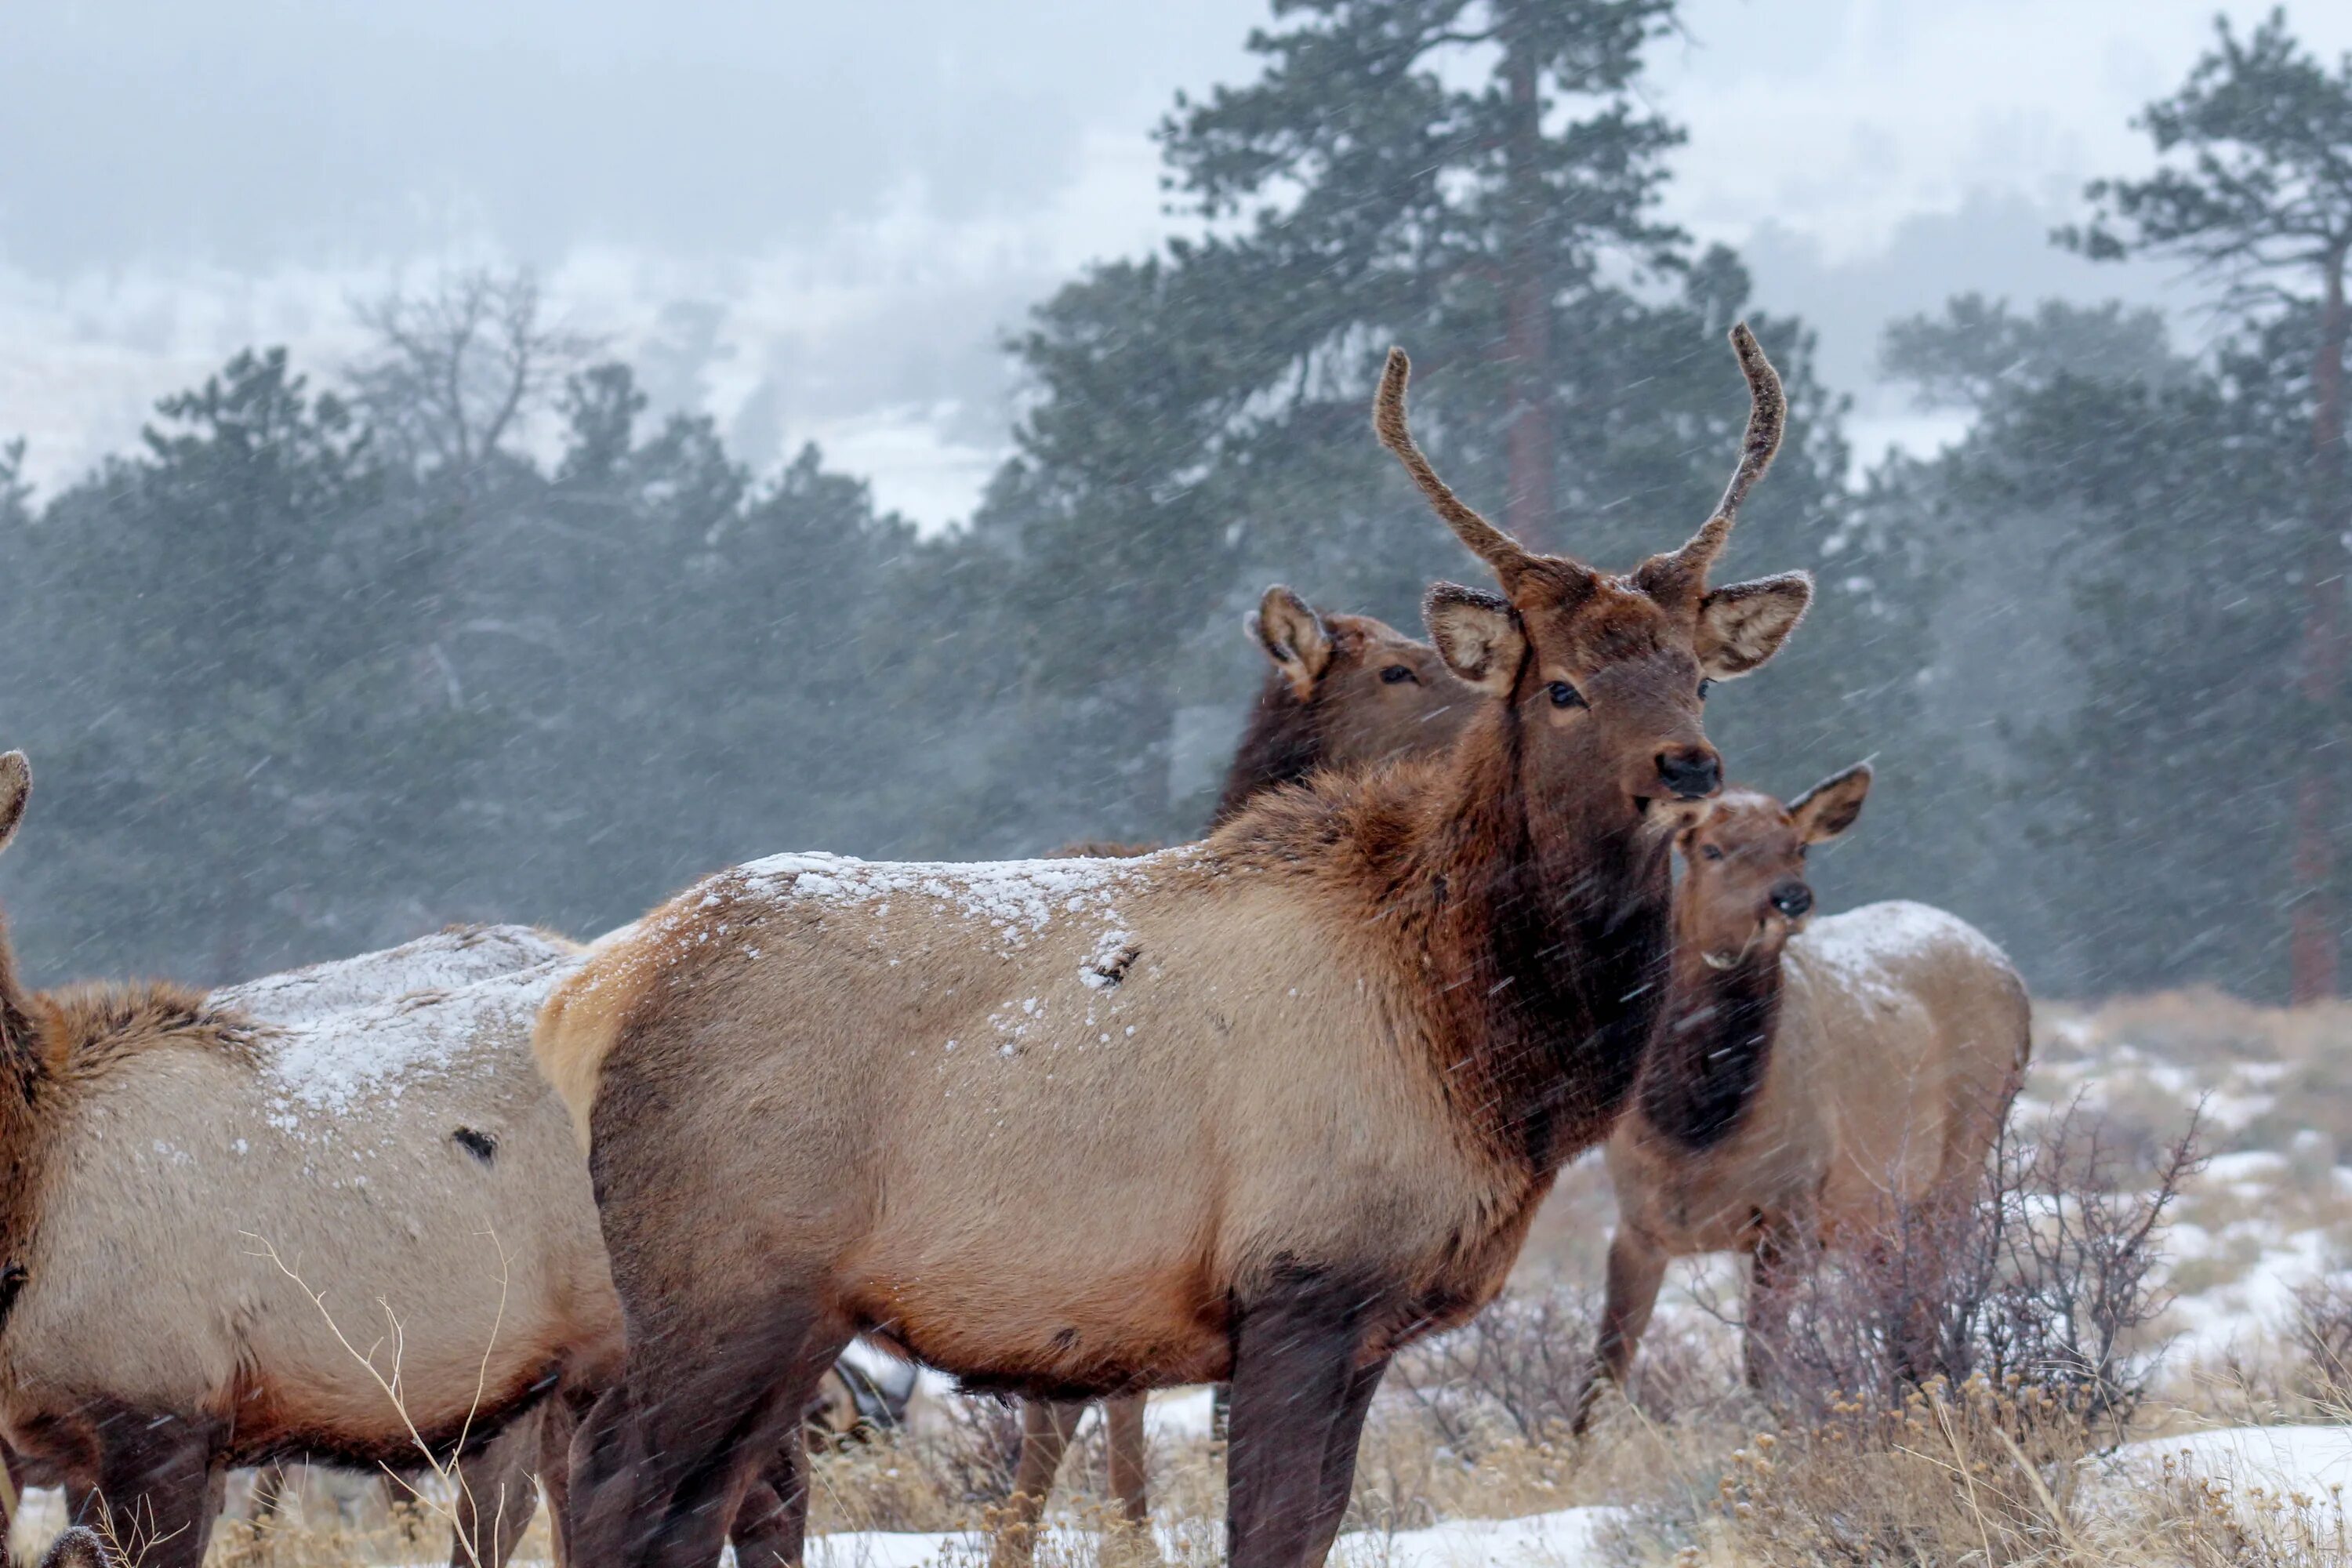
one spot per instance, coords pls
(771, 1521)
(154, 1483)
(713, 1402)
(1637, 1267)
(559, 1422)
(1294, 1369)
(496, 1497)
(1339, 1461)
(12, 1489)
(1123, 1434)
(1046, 1428)
(1766, 1327)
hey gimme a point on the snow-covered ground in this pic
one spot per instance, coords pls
(1562, 1539)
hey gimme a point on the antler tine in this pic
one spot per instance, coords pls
(1489, 543)
(1767, 415)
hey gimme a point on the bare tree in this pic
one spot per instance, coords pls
(458, 371)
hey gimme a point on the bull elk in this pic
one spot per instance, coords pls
(1810, 1082)
(1260, 1109)
(1342, 693)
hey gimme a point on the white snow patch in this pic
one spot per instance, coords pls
(339, 1034)
(1016, 899)
(1861, 944)
(2301, 1467)
(443, 962)
(1564, 1540)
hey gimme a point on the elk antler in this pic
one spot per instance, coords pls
(1767, 414)
(1489, 543)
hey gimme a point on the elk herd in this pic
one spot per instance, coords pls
(1259, 1111)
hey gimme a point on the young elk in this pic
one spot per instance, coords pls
(163, 1154)
(1807, 1084)
(1344, 693)
(1260, 1109)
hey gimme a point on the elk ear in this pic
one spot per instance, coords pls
(16, 788)
(1831, 807)
(1477, 635)
(1294, 636)
(1743, 625)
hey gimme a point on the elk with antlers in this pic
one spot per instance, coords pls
(1261, 1110)
(1807, 1084)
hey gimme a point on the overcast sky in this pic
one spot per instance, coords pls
(817, 222)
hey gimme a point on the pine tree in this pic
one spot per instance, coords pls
(2263, 203)
(1476, 181)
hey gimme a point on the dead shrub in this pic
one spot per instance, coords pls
(2048, 1281)
(2322, 1331)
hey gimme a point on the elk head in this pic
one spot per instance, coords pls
(1374, 693)
(1605, 675)
(16, 788)
(1744, 892)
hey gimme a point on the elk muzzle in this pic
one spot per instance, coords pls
(1690, 772)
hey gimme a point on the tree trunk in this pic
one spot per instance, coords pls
(1526, 302)
(2315, 940)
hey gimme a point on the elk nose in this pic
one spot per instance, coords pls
(1693, 772)
(1792, 899)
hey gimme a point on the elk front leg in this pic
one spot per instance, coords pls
(1046, 1428)
(1339, 1461)
(1294, 1372)
(1765, 1330)
(1637, 1267)
(1123, 1434)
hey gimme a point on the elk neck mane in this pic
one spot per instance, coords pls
(1279, 745)
(1543, 924)
(52, 1044)
(1712, 1049)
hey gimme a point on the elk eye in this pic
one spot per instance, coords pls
(1563, 695)
(1397, 673)
(1710, 852)
(1705, 686)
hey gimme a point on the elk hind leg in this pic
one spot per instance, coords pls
(1637, 1267)
(711, 1427)
(154, 1494)
(496, 1495)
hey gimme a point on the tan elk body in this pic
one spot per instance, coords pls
(1815, 1085)
(1342, 693)
(1263, 1109)
(215, 1193)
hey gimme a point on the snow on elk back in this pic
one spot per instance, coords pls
(1864, 947)
(1016, 900)
(339, 1038)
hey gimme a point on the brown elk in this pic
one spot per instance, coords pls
(1343, 693)
(1260, 1109)
(173, 1161)
(1807, 1084)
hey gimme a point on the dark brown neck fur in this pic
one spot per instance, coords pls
(1542, 920)
(1281, 744)
(1713, 1048)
